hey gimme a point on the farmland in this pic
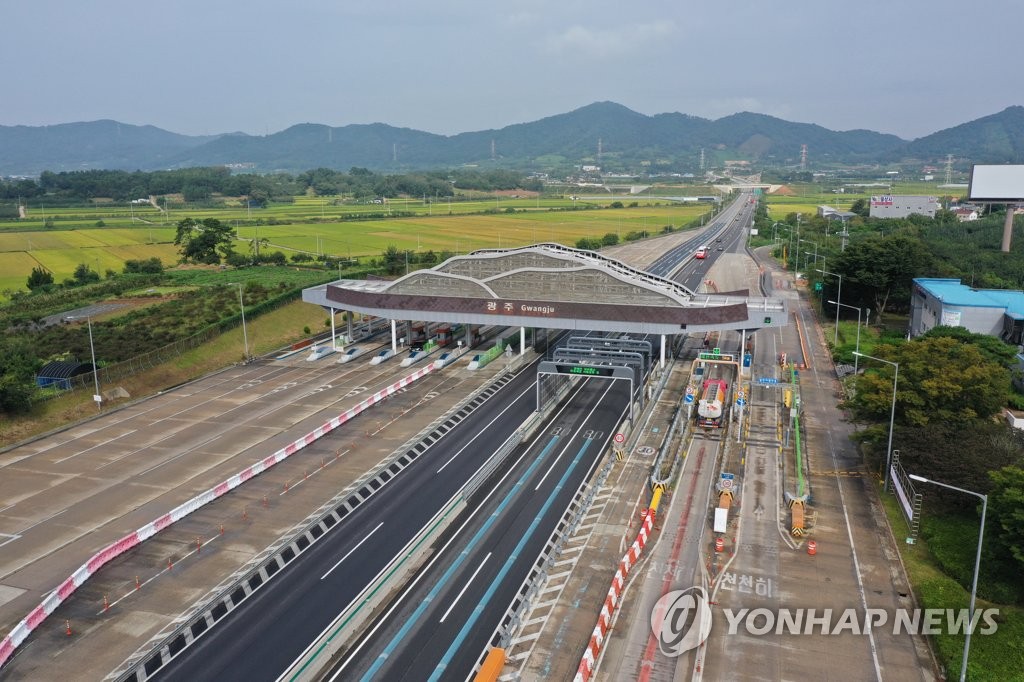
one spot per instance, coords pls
(104, 235)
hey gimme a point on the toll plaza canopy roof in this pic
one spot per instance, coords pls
(553, 286)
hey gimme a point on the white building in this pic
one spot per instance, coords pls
(897, 206)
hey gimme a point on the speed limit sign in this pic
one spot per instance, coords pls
(619, 438)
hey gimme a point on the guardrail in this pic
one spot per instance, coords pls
(22, 630)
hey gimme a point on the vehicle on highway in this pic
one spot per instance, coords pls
(711, 407)
(702, 253)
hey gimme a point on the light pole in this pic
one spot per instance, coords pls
(95, 372)
(245, 334)
(839, 296)
(815, 250)
(977, 564)
(856, 352)
(892, 412)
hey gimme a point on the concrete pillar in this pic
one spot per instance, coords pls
(522, 340)
(394, 337)
(1008, 227)
(334, 346)
(661, 361)
(351, 332)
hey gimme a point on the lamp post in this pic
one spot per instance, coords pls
(839, 296)
(245, 334)
(892, 412)
(856, 352)
(815, 250)
(95, 372)
(977, 564)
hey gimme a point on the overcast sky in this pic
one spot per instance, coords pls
(910, 67)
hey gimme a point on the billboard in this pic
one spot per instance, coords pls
(997, 184)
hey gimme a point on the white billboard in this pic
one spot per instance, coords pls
(998, 184)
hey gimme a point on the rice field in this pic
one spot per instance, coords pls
(316, 225)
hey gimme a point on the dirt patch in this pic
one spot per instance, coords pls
(785, 191)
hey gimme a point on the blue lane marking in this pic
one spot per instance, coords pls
(478, 611)
(389, 649)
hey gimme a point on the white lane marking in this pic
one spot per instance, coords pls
(98, 445)
(51, 516)
(465, 587)
(358, 544)
(529, 390)
(569, 442)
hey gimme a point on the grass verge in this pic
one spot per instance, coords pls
(998, 656)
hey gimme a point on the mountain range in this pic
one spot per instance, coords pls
(604, 133)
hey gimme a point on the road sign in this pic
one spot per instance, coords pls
(726, 484)
(767, 380)
(688, 399)
(690, 390)
(726, 476)
(619, 438)
(741, 402)
(742, 393)
(817, 286)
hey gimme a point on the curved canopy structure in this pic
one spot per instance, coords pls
(549, 285)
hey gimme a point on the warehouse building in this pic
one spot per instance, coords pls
(897, 206)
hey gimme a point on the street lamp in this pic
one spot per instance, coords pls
(856, 352)
(892, 413)
(815, 250)
(977, 564)
(95, 373)
(245, 334)
(839, 296)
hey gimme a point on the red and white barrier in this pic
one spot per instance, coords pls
(22, 630)
(611, 602)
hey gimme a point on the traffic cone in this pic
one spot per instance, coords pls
(67, 627)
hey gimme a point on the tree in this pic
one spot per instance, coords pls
(18, 367)
(40, 277)
(149, 266)
(394, 260)
(1006, 505)
(879, 270)
(204, 242)
(610, 239)
(861, 208)
(941, 380)
(85, 275)
(961, 454)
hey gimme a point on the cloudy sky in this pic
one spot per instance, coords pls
(447, 66)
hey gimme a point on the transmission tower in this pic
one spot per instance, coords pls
(492, 150)
(599, 150)
(949, 169)
(803, 157)
(702, 159)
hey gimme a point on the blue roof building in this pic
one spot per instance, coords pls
(948, 302)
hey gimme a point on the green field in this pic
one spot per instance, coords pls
(318, 225)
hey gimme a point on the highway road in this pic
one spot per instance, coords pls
(296, 606)
(444, 623)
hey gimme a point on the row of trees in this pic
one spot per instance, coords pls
(952, 386)
(198, 184)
